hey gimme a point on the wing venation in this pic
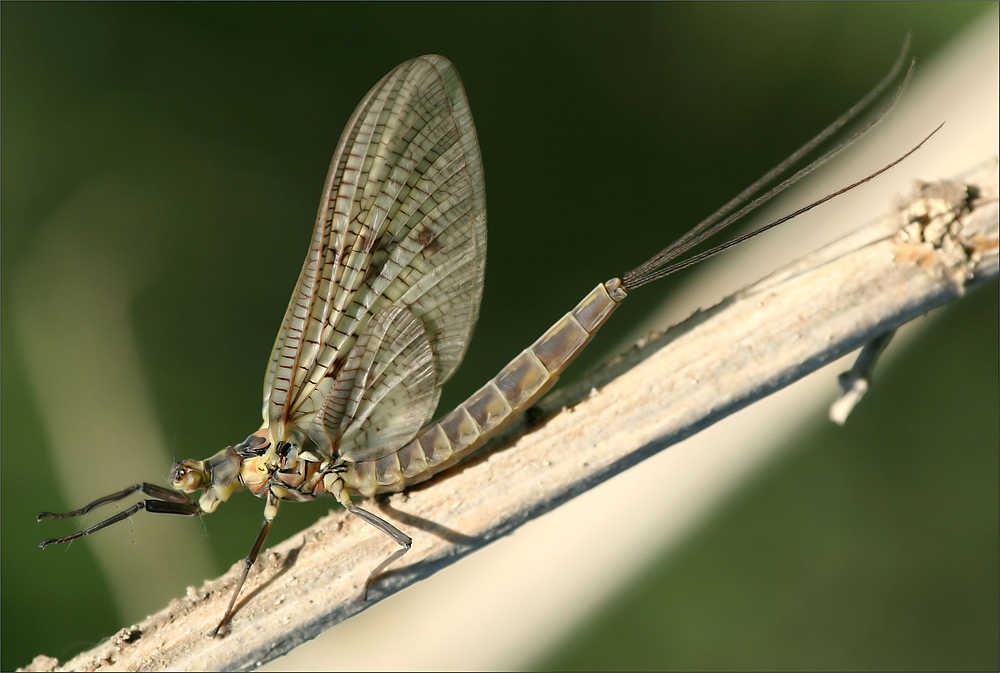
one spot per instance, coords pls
(402, 222)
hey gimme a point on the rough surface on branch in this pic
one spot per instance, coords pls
(927, 252)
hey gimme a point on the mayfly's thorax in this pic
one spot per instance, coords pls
(255, 457)
(255, 474)
(285, 471)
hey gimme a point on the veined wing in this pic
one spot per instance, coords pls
(402, 222)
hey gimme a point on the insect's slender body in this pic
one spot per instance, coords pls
(435, 448)
(384, 309)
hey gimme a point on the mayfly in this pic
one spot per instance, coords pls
(384, 308)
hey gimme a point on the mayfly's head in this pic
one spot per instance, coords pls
(190, 475)
(220, 470)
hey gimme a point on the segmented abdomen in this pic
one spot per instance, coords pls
(518, 385)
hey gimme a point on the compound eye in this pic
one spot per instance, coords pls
(187, 477)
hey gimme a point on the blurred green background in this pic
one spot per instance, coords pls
(870, 547)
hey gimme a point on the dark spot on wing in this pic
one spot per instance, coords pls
(427, 239)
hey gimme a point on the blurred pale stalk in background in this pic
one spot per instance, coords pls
(73, 295)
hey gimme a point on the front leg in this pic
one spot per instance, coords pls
(167, 502)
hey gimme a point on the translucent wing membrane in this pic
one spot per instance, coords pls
(402, 222)
(385, 391)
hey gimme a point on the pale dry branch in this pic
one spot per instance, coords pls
(927, 252)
